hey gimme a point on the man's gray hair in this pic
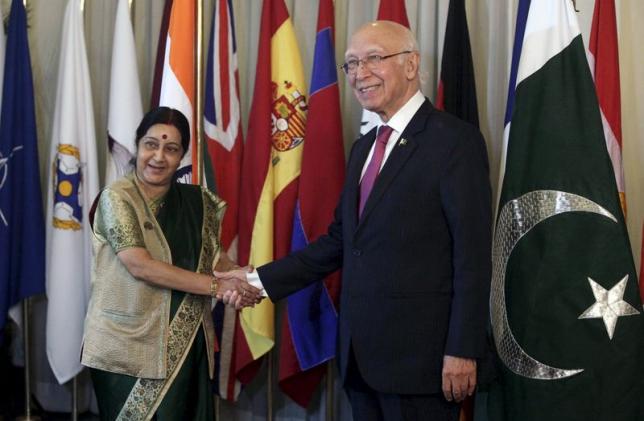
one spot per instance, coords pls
(410, 41)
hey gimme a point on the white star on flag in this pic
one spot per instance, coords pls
(609, 305)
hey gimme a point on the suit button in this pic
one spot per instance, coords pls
(357, 252)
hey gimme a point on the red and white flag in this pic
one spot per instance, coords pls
(393, 10)
(604, 65)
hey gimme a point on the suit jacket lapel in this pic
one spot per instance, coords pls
(403, 150)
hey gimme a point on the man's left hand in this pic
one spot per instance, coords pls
(459, 377)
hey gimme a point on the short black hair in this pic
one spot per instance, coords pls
(169, 116)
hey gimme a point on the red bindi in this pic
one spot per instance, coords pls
(164, 136)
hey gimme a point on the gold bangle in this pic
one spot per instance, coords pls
(214, 284)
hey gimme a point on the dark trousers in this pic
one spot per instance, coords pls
(368, 404)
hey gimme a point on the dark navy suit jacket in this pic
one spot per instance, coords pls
(416, 266)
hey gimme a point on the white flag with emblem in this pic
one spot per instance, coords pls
(73, 185)
(125, 109)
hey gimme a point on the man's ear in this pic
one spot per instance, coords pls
(412, 64)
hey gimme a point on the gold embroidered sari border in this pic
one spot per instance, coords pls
(146, 394)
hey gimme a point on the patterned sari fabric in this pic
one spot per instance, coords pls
(185, 393)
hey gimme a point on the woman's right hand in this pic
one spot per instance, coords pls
(239, 297)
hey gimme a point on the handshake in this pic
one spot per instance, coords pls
(233, 288)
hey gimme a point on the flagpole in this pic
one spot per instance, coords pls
(217, 404)
(27, 350)
(199, 89)
(199, 123)
(269, 387)
(75, 379)
(75, 398)
(330, 391)
(26, 347)
(131, 6)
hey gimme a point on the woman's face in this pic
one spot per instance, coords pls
(158, 155)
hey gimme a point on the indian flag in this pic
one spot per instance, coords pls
(174, 81)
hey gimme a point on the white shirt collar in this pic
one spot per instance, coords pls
(403, 116)
(398, 122)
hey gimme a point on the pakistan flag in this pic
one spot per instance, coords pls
(565, 308)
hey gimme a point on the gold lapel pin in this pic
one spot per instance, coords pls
(403, 142)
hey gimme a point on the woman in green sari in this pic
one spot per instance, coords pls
(149, 339)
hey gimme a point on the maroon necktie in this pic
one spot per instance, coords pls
(373, 167)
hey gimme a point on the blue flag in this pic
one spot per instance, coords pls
(309, 329)
(22, 229)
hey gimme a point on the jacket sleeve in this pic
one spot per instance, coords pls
(313, 263)
(466, 200)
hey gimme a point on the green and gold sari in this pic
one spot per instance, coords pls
(185, 393)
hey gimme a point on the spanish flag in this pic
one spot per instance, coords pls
(270, 172)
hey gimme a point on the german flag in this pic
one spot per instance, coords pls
(456, 88)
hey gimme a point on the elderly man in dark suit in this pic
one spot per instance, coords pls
(411, 234)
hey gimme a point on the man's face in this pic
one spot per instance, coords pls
(384, 88)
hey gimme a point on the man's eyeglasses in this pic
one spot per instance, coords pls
(371, 62)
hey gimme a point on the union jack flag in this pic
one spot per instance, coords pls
(223, 151)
